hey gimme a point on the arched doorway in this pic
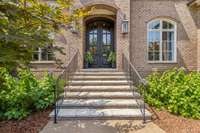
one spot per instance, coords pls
(100, 42)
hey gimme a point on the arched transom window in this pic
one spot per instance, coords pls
(162, 41)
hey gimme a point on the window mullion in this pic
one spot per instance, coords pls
(39, 54)
(175, 44)
(161, 41)
(47, 56)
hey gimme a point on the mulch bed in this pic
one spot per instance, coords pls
(33, 124)
(174, 124)
(165, 120)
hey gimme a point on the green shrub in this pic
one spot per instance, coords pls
(19, 97)
(89, 57)
(175, 90)
(112, 57)
(45, 94)
(7, 90)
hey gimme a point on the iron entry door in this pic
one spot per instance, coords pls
(100, 42)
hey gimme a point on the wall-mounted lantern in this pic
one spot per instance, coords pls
(124, 26)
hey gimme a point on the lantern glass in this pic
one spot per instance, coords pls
(125, 26)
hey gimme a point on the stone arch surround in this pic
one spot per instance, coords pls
(88, 3)
(121, 40)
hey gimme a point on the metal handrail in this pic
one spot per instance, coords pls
(135, 80)
(63, 83)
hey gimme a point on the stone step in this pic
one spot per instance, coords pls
(99, 103)
(98, 95)
(99, 82)
(98, 70)
(100, 73)
(65, 114)
(100, 88)
(108, 77)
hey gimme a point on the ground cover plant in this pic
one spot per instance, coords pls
(175, 90)
(24, 94)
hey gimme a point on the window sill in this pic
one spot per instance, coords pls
(162, 62)
(43, 62)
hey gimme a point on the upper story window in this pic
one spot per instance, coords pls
(162, 41)
(43, 54)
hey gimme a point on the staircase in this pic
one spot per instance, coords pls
(100, 94)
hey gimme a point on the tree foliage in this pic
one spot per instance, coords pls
(28, 24)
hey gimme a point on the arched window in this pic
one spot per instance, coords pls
(161, 41)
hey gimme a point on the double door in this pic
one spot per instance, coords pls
(100, 42)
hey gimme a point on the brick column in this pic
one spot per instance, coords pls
(122, 40)
(187, 20)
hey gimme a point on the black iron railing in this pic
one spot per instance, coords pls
(63, 83)
(136, 81)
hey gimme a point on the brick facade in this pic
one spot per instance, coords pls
(134, 44)
(142, 12)
(120, 8)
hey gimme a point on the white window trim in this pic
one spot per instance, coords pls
(161, 30)
(43, 62)
(40, 58)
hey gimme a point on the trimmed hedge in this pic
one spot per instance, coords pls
(176, 91)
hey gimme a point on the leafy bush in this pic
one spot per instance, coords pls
(112, 57)
(45, 96)
(89, 57)
(20, 96)
(177, 91)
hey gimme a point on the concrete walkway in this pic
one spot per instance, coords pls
(101, 126)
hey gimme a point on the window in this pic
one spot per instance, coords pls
(162, 41)
(43, 54)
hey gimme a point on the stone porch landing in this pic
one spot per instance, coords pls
(101, 126)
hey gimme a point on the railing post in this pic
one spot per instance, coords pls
(144, 106)
(55, 102)
(54, 92)
(55, 113)
(135, 79)
(68, 78)
(145, 84)
(70, 68)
